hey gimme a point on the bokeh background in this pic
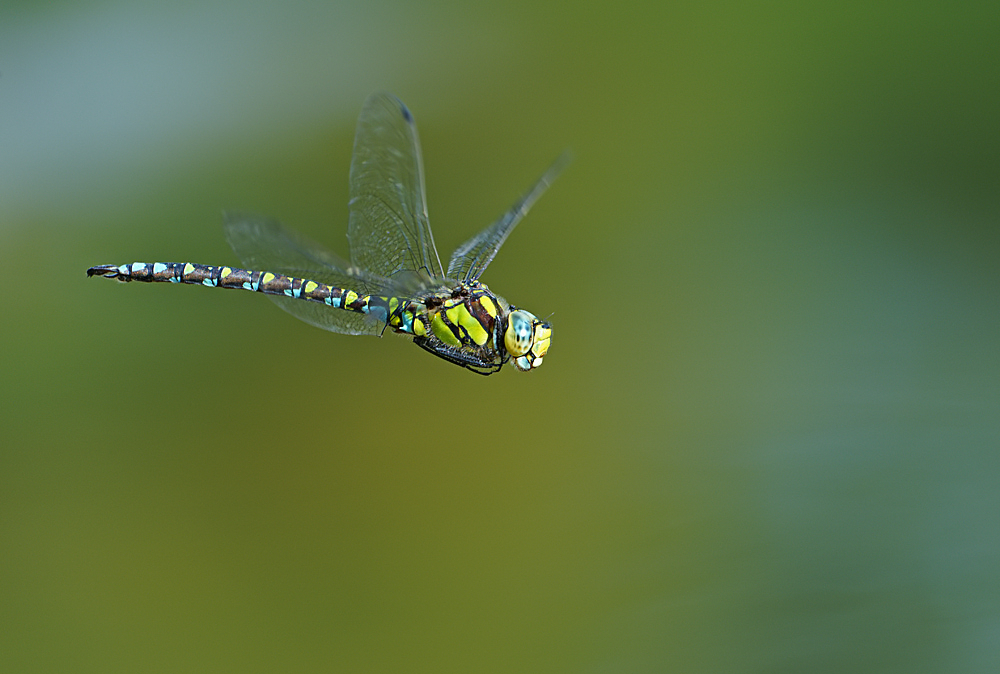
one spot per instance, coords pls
(765, 438)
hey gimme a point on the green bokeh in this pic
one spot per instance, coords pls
(765, 437)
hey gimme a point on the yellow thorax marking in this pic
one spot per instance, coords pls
(443, 332)
(471, 325)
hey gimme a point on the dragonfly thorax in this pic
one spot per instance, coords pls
(472, 327)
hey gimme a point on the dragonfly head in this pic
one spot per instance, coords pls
(527, 339)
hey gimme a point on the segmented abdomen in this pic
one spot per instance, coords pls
(256, 281)
(461, 320)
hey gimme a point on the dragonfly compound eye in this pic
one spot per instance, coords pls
(527, 339)
(518, 337)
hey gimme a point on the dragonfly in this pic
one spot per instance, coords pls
(395, 279)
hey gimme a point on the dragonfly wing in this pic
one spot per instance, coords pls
(388, 227)
(470, 260)
(328, 318)
(263, 244)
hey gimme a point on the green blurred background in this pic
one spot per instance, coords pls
(765, 438)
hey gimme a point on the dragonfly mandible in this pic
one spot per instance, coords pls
(395, 278)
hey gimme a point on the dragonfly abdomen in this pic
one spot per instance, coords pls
(265, 282)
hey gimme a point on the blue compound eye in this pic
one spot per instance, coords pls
(518, 337)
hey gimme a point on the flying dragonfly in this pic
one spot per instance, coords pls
(395, 278)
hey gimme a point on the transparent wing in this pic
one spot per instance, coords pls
(388, 227)
(470, 260)
(263, 244)
(328, 318)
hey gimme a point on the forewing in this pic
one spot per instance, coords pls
(388, 227)
(263, 244)
(470, 260)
